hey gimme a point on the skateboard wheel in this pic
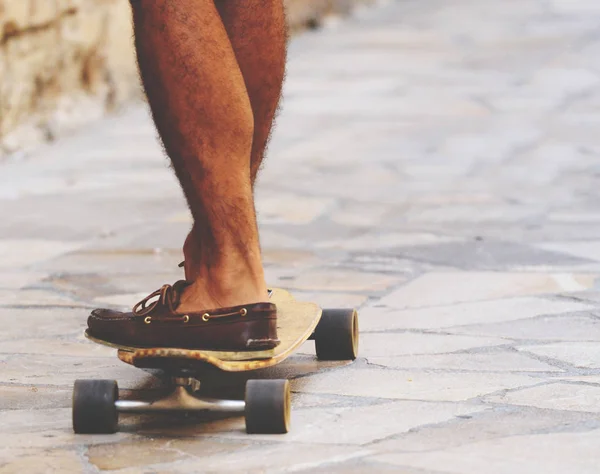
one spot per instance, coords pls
(94, 409)
(336, 335)
(268, 406)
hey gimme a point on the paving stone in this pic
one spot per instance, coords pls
(290, 208)
(391, 345)
(33, 397)
(112, 263)
(91, 287)
(360, 214)
(332, 300)
(361, 466)
(271, 456)
(335, 280)
(37, 215)
(494, 424)
(53, 461)
(138, 454)
(33, 427)
(469, 214)
(595, 379)
(587, 250)
(124, 302)
(385, 240)
(147, 238)
(381, 262)
(37, 297)
(435, 289)
(592, 296)
(277, 240)
(572, 452)
(346, 425)
(22, 253)
(408, 385)
(582, 326)
(57, 347)
(493, 361)
(42, 322)
(554, 396)
(8, 456)
(289, 258)
(16, 280)
(488, 255)
(309, 400)
(579, 354)
(480, 314)
(62, 371)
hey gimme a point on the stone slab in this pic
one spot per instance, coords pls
(435, 289)
(492, 361)
(554, 396)
(579, 354)
(381, 318)
(579, 326)
(346, 425)
(401, 344)
(490, 424)
(562, 452)
(336, 280)
(409, 385)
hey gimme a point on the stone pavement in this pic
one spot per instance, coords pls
(436, 164)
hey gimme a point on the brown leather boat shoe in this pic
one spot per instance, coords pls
(251, 327)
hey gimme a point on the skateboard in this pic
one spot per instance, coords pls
(267, 403)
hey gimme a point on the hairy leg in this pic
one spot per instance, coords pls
(203, 114)
(257, 31)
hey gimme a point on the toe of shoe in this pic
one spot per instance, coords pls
(102, 320)
(106, 314)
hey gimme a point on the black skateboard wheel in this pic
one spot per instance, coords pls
(268, 406)
(336, 335)
(94, 409)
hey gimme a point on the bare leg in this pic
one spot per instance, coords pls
(203, 114)
(257, 31)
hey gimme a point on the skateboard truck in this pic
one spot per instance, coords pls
(182, 398)
(266, 407)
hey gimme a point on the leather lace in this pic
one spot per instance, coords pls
(169, 296)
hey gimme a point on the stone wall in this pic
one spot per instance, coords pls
(65, 62)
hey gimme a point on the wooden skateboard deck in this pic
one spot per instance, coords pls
(296, 322)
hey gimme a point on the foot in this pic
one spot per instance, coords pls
(160, 320)
(222, 305)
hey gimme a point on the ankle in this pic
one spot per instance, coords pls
(228, 278)
(218, 289)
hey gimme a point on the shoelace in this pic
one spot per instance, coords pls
(170, 296)
(167, 296)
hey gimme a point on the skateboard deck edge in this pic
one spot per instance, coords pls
(223, 355)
